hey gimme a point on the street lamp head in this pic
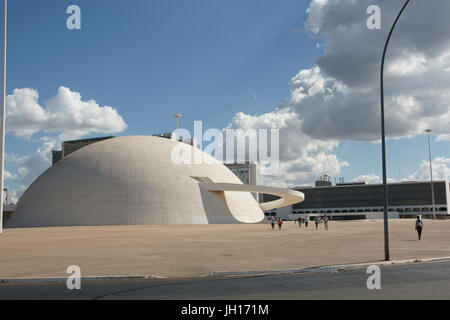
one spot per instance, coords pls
(428, 130)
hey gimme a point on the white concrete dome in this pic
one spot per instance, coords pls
(131, 181)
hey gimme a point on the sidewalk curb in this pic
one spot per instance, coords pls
(319, 269)
(324, 269)
(100, 278)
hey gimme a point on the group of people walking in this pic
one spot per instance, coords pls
(301, 221)
(279, 222)
(317, 220)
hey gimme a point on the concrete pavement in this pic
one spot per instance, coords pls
(411, 281)
(198, 250)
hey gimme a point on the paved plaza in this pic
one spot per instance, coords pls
(197, 250)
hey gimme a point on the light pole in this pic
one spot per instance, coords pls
(177, 116)
(431, 173)
(383, 140)
(2, 126)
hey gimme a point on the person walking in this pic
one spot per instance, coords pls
(280, 222)
(419, 226)
(272, 222)
(325, 222)
(299, 222)
(316, 221)
(306, 222)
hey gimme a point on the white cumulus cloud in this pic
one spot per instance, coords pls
(440, 166)
(368, 178)
(302, 158)
(339, 96)
(65, 112)
(65, 116)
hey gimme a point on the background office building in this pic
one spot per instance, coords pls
(8, 206)
(358, 200)
(67, 147)
(246, 172)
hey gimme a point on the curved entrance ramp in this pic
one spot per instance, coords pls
(287, 196)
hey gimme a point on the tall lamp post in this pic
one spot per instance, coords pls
(177, 116)
(431, 173)
(2, 126)
(383, 140)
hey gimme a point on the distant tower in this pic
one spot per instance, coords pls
(323, 181)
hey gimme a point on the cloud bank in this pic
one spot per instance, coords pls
(337, 99)
(65, 112)
(65, 116)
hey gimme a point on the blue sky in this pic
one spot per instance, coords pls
(150, 59)
(206, 59)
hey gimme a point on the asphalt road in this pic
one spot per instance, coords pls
(411, 281)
